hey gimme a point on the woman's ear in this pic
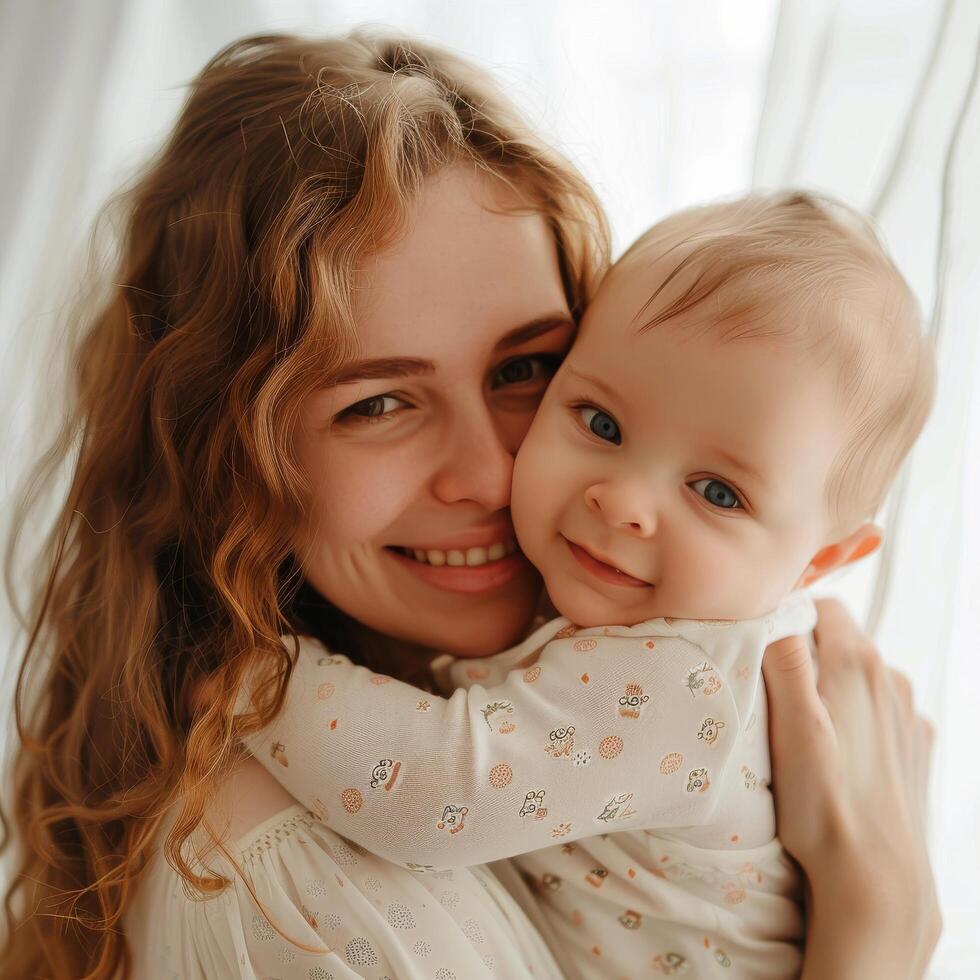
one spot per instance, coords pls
(856, 545)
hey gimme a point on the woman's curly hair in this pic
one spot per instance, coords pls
(228, 299)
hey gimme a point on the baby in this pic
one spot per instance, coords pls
(740, 395)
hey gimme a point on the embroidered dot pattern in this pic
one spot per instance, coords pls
(262, 928)
(400, 916)
(532, 674)
(501, 775)
(585, 646)
(671, 763)
(422, 949)
(342, 854)
(610, 746)
(472, 931)
(449, 900)
(360, 952)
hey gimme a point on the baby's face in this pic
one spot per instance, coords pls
(670, 476)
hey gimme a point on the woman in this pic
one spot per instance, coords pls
(345, 282)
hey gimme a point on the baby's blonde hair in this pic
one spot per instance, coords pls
(809, 270)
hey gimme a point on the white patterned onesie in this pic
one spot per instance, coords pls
(627, 766)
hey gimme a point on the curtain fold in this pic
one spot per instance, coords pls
(887, 116)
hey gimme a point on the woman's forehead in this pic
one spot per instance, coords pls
(465, 267)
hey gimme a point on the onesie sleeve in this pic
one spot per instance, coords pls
(593, 735)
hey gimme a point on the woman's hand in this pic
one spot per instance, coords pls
(850, 762)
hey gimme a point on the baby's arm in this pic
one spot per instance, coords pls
(584, 741)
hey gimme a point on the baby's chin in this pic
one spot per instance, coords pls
(587, 608)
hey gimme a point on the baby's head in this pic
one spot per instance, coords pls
(740, 396)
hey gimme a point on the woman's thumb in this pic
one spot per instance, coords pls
(791, 685)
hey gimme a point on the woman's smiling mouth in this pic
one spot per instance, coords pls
(457, 557)
(479, 568)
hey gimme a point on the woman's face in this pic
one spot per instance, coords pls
(461, 325)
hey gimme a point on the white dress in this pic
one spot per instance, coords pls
(371, 918)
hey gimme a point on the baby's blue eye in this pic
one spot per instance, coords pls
(601, 424)
(718, 493)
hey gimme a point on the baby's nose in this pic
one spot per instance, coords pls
(624, 507)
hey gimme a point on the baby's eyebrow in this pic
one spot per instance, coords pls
(607, 389)
(745, 468)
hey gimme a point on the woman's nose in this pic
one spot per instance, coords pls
(623, 507)
(477, 463)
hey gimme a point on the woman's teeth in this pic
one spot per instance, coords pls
(470, 557)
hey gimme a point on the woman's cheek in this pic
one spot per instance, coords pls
(364, 490)
(514, 423)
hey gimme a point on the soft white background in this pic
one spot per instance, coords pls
(661, 104)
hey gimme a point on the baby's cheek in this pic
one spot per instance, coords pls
(528, 502)
(721, 576)
(535, 492)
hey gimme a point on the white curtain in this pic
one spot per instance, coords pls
(877, 101)
(662, 105)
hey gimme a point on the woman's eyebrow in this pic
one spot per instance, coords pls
(370, 369)
(533, 328)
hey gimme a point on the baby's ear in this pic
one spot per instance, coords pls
(856, 545)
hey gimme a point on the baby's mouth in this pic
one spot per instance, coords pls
(458, 557)
(604, 569)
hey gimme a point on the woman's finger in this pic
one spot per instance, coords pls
(922, 764)
(787, 667)
(903, 689)
(788, 663)
(837, 634)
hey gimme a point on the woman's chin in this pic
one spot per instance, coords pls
(487, 631)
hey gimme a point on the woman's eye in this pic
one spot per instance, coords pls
(717, 493)
(370, 409)
(524, 369)
(600, 424)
